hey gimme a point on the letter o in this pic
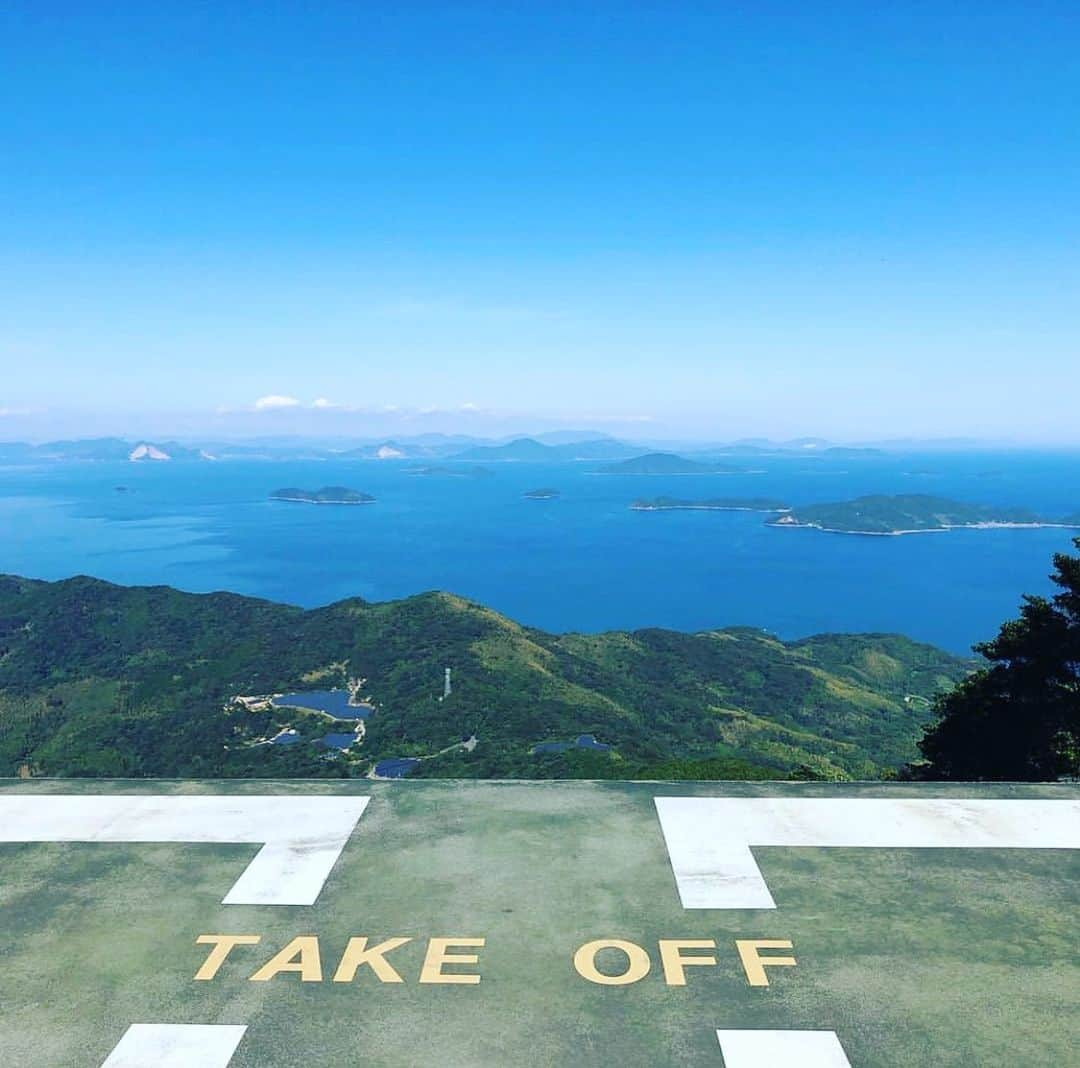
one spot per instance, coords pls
(637, 962)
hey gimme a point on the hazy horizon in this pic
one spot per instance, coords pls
(344, 427)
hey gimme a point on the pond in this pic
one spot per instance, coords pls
(588, 741)
(339, 741)
(583, 741)
(333, 702)
(395, 767)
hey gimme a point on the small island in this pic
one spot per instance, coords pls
(326, 495)
(667, 463)
(715, 504)
(911, 514)
(541, 495)
(437, 471)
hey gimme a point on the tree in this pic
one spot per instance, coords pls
(1019, 717)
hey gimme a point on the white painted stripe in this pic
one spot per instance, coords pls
(782, 1049)
(302, 837)
(709, 838)
(176, 1046)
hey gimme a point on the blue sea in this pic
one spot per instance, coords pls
(583, 562)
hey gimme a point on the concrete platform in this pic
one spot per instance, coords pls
(263, 924)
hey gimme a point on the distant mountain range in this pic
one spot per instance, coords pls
(529, 450)
(561, 446)
(102, 449)
(427, 447)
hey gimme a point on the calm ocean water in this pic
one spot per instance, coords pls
(583, 562)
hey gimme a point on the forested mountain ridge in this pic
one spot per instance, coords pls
(98, 679)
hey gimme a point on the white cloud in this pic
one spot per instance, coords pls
(322, 402)
(275, 400)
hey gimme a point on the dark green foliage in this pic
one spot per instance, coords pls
(1019, 717)
(712, 768)
(97, 679)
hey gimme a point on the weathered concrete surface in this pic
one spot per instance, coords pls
(952, 957)
(301, 837)
(709, 839)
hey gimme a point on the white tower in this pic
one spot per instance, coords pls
(446, 683)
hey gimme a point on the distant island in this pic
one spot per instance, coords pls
(541, 495)
(715, 504)
(852, 451)
(326, 495)
(529, 450)
(910, 514)
(666, 463)
(440, 471)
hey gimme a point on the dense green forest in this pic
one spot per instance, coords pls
(97, 679)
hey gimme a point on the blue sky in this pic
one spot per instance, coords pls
(703, 220)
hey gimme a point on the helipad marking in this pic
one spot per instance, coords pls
(782, 1049)
(302, 837)
(709, 838)
(176, 1046)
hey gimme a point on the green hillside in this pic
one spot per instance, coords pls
(97, 679)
